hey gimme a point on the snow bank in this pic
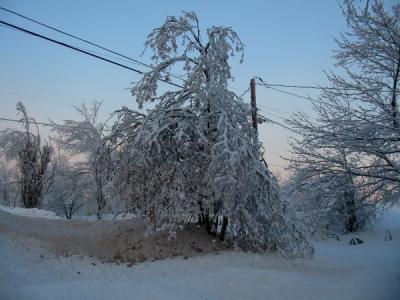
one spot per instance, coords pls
(30, 212)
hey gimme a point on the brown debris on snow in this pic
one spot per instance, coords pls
(123, 241)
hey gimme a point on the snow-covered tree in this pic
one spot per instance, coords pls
(196, 153)
(87, 138)
(355, 139)
(33, 158)
(327, 203)
(72, 188)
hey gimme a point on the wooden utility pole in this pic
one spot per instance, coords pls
(253, 103)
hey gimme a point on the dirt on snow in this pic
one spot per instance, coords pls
(122, 241)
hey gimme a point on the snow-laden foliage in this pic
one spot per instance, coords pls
(355, 139)
(86, 137)
(196, 154)
(32, 157)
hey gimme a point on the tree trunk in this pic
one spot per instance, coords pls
(350, 211)
(394, 93)
(223, 228)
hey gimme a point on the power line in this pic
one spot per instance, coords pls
(293, 94)
(120, 65)
(19, 83)
(280, 124)
(40, 123)
(277, 165)
(273, 114)
(278, 113)
(84, 40)
(62, 94)
(315, 87)
(25, 97)
(34, 122)
(65, 126)
(277, 110)
(266, 109)
(34, 97)
(244, 93)
(80, 50)
(288, 93)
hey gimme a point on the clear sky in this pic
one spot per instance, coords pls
(288, 42)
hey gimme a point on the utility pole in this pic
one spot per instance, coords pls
(253, 103)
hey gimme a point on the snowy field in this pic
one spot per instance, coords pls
(337, 271)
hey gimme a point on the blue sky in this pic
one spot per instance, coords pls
(288, 42)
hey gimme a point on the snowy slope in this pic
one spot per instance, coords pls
(338, 271)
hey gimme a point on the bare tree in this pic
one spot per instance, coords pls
(356, 136)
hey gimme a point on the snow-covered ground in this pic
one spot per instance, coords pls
(46, 214)
(123, 216)
(30, 212)
(337, 271)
